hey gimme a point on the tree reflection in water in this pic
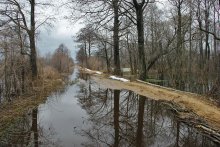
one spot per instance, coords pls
(140, 121)
(116, 116)
(26, 132)
(35, 127)
(123, 118)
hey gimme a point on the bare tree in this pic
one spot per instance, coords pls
(104, 14)
(25, 19)
(61, 59)
(138, 7)
(15, 12)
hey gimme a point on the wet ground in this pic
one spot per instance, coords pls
(86, 114)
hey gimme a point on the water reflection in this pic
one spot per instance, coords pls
(18, 134)
(27, 132)
(139, 139)
(123, 118)
(86, 114)
(34, 126)
(116, 116)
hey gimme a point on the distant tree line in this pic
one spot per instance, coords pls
(60, 60)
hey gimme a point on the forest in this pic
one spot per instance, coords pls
(177, 44)
(176, 40)
(145, 73)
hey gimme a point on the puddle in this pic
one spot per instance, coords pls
(85, 114)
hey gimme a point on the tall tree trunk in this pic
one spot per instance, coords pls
(140, 30)
(130, 61)
(178, 79)
(85, 51)
(33, 56)
(215, 42)
(134, 59)
(107, 59)
(129, 54)
(23, 79)
(207, 47)
(7, 86)
(218, 78)
(117, 67)
(190, 46)
(89, 41)
(201, 62)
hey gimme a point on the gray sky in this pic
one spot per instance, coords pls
(62, 31)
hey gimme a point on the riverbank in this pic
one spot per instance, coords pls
(11, 111)
(195, 108)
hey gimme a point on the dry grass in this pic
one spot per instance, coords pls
(50, 73)
(94, 63)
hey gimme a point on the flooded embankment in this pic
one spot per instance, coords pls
(181, 101)
(87, 113)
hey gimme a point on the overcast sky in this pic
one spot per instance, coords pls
(62, 32)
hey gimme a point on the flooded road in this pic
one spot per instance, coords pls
(86, 114)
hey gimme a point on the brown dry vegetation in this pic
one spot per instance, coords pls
(196, 104)
(50, 73)
(94, 63)
(11, 111)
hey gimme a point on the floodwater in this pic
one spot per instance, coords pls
(86, 114)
